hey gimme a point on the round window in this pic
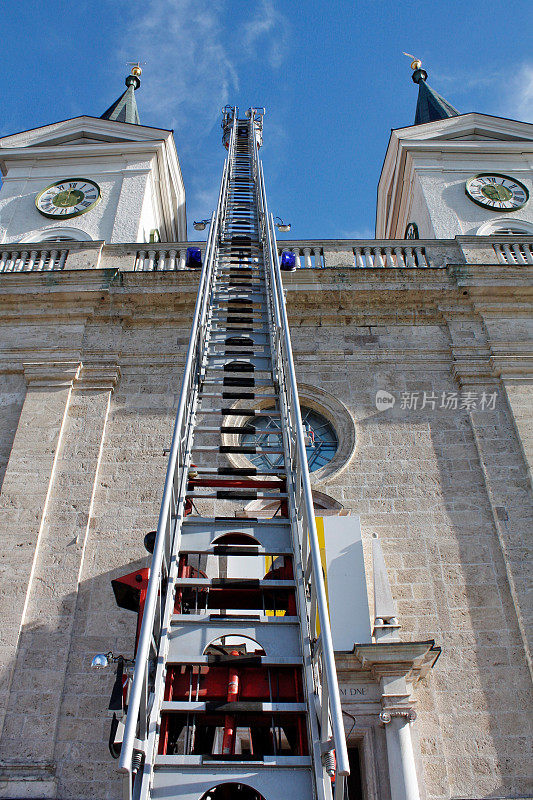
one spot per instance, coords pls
(321, 439)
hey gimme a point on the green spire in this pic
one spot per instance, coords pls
(430, 106)
(125, 108)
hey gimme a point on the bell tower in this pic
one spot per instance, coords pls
(102, 178)
(452, 174)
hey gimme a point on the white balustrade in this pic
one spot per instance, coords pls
(160, 260)
(32, 260)
(369, 257)
(514, 252)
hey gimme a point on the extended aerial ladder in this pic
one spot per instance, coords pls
(235, 691)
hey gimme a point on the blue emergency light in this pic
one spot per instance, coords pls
(193, 259)
(288, 261)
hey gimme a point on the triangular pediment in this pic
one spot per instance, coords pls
(82, 131)
(84, 137)
(469, 127)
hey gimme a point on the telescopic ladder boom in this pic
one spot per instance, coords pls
(235, 691)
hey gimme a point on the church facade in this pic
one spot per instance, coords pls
(414, 360)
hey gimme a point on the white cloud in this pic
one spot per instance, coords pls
(356, 233)
(524, 93)
(267, 29)
(194, 52)
(492, 90)
(190, 73)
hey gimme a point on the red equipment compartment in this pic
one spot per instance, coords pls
(187, 682)
(130, 593)
(237, 594)
(255, 735)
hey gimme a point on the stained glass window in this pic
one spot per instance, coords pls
(321, 439)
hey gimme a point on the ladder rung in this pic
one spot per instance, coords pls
(237, 619)
(242, 320)
(241, 660)
(238, 381)
(251, 450)
(240, 395)
(234, 707)
(248, 412)
(235, 367)
(237, 448)
(236, 494)
(236, 583)
(234, 523)
(235, 471)
(243, 430)
(251, 353)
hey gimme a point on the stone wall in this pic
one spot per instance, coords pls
(92, 373)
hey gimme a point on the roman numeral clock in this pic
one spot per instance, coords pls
(68, 198)
(496, 191)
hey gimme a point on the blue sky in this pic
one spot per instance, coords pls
(331, 75)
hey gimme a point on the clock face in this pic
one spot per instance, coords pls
(499, 192)
(68, 198)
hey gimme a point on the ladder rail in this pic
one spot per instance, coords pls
(171, 511)
(323, 655)
(138, 757)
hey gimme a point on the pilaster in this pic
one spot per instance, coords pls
(505, 472)
(39, 664)
(25, 494)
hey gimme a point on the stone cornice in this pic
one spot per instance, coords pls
(372, 355)
(51, 374)
(98, 376)
(513, 366)
(410, 660)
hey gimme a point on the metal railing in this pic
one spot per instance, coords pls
(140, 732)
(327, 709)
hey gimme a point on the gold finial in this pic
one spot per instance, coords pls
(135, 68)
(415, 63)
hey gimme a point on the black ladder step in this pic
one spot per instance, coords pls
(238, 412)
(230, 471)
(238, 395)
(243, 430)
(242, 320)
(244, 311)
(250, 353)
(239, 341)
(237, 367)
(245, 449)
(227, 381)
(248, 412)
(244, 472)
(262, 330)
(237, 448)
(223, 494)
(248, 430)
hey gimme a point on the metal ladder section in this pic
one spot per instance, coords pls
(235, 690)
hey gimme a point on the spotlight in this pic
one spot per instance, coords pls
(100, 661)
(284, 227)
